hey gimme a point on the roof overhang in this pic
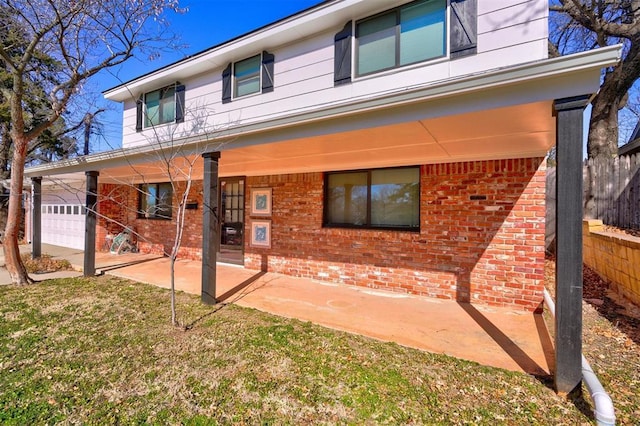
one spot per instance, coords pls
(442, 122)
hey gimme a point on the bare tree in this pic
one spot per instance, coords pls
(176, 150)
(586, 24)
(82, 37)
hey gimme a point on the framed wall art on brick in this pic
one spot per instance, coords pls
(261, 202)
(261, 233)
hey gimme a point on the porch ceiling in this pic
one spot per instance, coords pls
(510, 132)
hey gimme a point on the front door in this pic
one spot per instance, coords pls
(232, 220)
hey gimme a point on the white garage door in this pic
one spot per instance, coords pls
(63, 225)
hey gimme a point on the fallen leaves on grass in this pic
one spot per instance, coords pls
(611, 342)
(44, 264)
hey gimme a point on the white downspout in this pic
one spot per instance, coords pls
(604, 412)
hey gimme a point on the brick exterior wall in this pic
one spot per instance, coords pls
(118, 208)
(481, 237)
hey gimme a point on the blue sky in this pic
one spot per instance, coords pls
(207, 23)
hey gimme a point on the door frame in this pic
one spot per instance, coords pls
(232, 253)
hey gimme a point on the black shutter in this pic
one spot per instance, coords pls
(342, 56)
(139, 105)
(179, 103)
(226, 84)
(463, 28)
(267, 71)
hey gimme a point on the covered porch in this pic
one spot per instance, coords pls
(468, 126)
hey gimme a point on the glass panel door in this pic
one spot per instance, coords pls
(232, 220)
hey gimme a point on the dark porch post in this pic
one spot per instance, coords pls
(568, 321)
(90, 224)
(210, 232)
(36, 218)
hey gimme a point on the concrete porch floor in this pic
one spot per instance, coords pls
(490, 336)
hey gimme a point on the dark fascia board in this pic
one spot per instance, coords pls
(630, 148)
(186, 58)
(635, 134)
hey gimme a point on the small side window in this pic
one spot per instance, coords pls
(155, 201)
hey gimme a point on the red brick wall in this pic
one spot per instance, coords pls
(489, 249)
(481, 236)
(117, 209)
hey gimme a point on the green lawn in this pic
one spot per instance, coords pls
(102, 351)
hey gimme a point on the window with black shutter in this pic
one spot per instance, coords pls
(248, 76)
(161, 106)
(412, 33)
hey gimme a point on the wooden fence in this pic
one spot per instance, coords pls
(613, 196)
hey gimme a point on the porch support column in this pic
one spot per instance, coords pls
(36, 218)
(210, 228)
(568, 321)
(90, 224)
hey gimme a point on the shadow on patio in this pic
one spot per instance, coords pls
(490, 336)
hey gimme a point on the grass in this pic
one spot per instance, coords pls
(102, 351)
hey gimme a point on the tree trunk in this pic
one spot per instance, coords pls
(4, 171)
(13, 262)
(602, 141)
(589, 209)
(174, 320)
(603, 126)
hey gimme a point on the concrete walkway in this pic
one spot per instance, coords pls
(491, 336)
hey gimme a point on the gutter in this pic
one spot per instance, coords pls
(604, 412)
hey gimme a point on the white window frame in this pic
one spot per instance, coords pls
(234, 79)
(146, 119)
(356, 45)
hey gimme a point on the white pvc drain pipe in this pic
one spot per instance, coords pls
(604, 412)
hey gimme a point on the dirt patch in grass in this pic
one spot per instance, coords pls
(102, 351)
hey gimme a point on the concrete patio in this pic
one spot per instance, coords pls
(490, 336)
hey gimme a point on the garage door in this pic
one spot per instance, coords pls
(63, 225)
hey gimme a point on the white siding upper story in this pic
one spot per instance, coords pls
(509, 32)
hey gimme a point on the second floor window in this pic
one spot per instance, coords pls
(409, 34)
(246, 76)
(160, 106)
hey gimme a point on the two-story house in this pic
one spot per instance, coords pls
(397, 145)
